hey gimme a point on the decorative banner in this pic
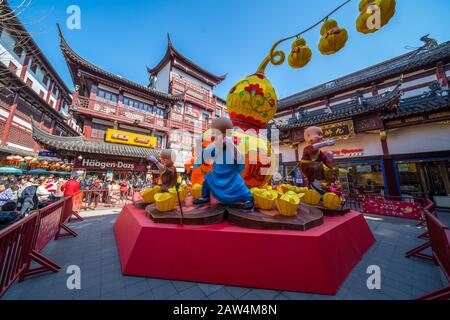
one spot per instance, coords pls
(106, 165)
(48, 228)
(124, 137)
(338, 130)
(408, 210)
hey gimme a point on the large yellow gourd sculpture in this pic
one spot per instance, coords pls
(251, 103)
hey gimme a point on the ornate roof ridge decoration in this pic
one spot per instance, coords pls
(71, 55)
(28, 42)
(423, 104)
(359, 105)
(399, 65)
(13, 150)
(173, 54)
(81, 145)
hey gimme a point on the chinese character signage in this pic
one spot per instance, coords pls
(124, 137)
(339, 130)
(408, 210)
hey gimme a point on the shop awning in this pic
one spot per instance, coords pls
(10, 170)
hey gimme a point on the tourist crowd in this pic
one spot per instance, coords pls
(26, 193)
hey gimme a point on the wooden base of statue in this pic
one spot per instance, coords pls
(330, 212)
(306, 218)
(192, 215)
(140, 204)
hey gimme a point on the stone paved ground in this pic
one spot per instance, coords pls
(94, 250)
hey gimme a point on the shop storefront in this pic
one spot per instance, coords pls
(110, 169)
(425, 178)
(362, 176)
(422, 161)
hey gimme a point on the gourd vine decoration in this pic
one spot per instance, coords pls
(333, 37)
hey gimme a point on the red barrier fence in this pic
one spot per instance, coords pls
(92, 199)
(72, 207)
(16, 243)
(440, 245)
(48, 228)
(394, 206)
(22, 242)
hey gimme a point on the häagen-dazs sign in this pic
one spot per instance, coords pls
(95, 164)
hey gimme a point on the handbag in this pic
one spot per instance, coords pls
(8, 217)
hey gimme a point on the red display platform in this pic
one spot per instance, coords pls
(316, 261)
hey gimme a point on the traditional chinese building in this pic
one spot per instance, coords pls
(390, 120)
(176, 74)
(29, 88)
(178, 97)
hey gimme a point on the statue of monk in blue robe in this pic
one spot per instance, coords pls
(224, 182)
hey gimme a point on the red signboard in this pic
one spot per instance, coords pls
(95, 164)
(48, 228)
(408, 210)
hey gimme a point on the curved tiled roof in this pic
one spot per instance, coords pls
(403, 64)
(344, 110)
(419, 105)
(79, 144)
(14, 25)
(71, 55)
(172, 53)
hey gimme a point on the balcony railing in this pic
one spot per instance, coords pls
(128, 114)
(180, 121)
(194, 93)
(122, 113)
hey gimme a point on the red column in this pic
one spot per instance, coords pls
(41, 126)
(9, 121)
(441, 76)
(75, 99)
(58, 101)
(383, 140)
(93, 94)
(119, 103)
(49, 91)
(374, 90)
(87, 129)
(23, 72)
(54, 127)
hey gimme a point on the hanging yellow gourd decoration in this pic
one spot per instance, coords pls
(300, 54)
(374, 14)
(333, 37)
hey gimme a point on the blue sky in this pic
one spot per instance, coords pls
(222, 36)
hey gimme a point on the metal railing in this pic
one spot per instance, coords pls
(92, 199)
